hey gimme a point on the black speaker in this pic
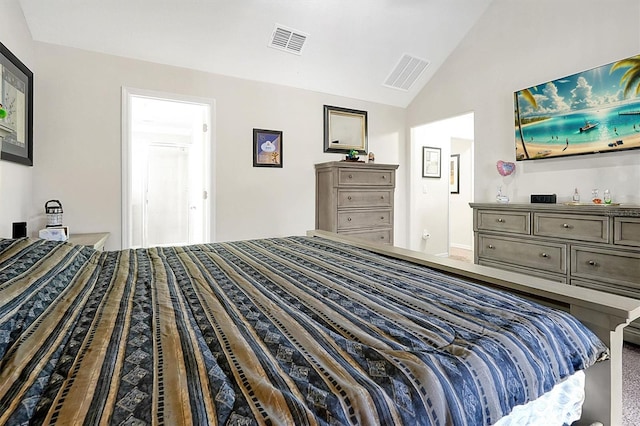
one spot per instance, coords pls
(19, 230)
(543, 198)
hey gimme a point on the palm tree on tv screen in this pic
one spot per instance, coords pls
(631, 76)
(526, 94)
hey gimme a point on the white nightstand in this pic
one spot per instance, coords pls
(95, 240)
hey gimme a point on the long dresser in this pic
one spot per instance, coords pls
(356, 199)
(595, 246)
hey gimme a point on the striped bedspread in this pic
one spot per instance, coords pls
(283, 331)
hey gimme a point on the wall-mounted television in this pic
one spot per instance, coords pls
(589, 112)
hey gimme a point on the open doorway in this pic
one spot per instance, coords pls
(440, 219)
(460, 195)
(166, 170)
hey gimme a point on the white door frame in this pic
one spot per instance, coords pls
(127, 94)
(418, 188)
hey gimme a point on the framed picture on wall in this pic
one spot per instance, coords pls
(430, 162)
(345, 130)
(267, 148)
(454, 174)
(16, 109)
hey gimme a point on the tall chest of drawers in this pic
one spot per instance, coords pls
(356, 199)
(592, 246)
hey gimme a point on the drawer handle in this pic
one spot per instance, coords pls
(349, 198)
(384, 177)
(382, 237)
(545, 255)
(566, 226)
(501, 220)
(592, 263)
(381, 217)
(491, 246)
(382, 197)
(349, 219)
(350, 176)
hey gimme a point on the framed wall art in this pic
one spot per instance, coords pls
(593, 111)
(454, 174)
(267, 148)
(16, 110)
(430, 162)
(345, 130)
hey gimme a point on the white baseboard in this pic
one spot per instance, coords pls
(461, 246)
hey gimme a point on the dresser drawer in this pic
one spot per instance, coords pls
(514, 222)
(383, 236)
(365, 198)
(561, 278)
(626, 231)
(572, 227)
(607, 288)
(348, 177)
(603, 265)
(349, 219)
(544, 256)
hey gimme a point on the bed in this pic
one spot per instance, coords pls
(298, 330)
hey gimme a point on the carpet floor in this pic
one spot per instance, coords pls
(630, 384)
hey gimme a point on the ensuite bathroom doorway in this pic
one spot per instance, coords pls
(166, 170)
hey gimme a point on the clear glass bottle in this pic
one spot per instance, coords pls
(500, 197)
(595, 196)
(576, 196)
(607, 197)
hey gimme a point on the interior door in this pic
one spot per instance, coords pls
(167, 174)
(167, 206)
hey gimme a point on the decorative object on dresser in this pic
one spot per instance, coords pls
(356, 199)
(353, 156)
(505, 168)
(543, 198)
(53, 211)
(54, 231)
(595, 246)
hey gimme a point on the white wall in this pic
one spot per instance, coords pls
(78, 143)
(517, 44)
(15, 179)
(460, 214)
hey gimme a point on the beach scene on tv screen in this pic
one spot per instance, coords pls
(592, 111)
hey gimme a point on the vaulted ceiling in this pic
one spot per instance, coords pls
(347, 47)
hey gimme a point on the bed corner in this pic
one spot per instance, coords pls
(604, 314)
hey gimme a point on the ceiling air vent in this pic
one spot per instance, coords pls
(287, 39)
(406, 72)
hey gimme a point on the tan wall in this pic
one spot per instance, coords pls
(460, 215)
(78, 148)
(16, 181)
(519, 44)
